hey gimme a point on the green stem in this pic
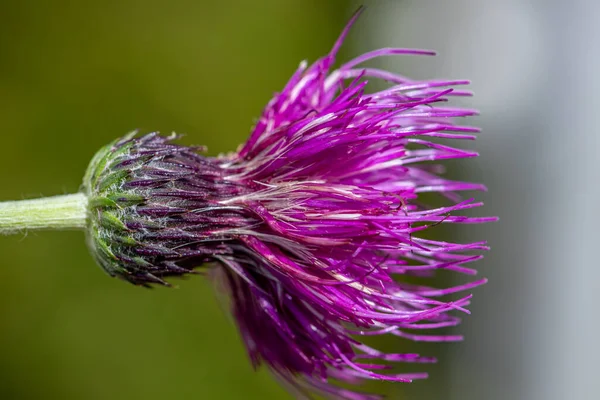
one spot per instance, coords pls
(57, 212)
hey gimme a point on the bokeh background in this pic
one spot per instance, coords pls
(75, 75)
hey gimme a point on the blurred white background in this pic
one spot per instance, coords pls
(534, 67)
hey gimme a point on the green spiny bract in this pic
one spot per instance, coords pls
(154, 208)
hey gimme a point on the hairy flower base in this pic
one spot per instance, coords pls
(312, 226)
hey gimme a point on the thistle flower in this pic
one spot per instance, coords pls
(312, 226)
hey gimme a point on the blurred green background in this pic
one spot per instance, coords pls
(75, 75)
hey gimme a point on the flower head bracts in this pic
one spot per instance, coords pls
(156, 209)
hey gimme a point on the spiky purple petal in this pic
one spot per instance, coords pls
(336, 175)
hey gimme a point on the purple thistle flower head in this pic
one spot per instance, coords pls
(312, 226)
